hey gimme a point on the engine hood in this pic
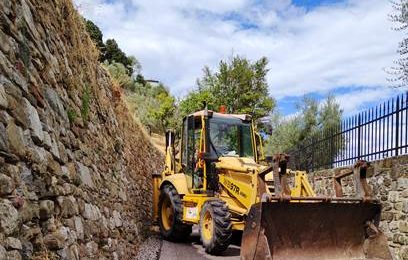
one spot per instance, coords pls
(240, 164)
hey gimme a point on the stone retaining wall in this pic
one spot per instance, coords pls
(75, 171)
(389, 181)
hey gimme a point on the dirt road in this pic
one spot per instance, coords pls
(194, 250)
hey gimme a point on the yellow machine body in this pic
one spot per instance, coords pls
(253, 193)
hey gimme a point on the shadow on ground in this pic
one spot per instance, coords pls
(193, 249)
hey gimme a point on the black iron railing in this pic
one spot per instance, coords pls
(375, 133)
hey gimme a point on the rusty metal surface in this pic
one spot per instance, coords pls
(279, 174)
(313, 230)
(359, 172)
(251, 235)
(363, 190)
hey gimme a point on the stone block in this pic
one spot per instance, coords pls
(29, 211)
(5, 117)
(17, 111)
(396, 238)
(16, 139)
(386, 206)
(91, 249)
(6, 184)
(405, 206)
(3, 252)
(403, 252)
(12, 243)
(14, 254)
(3, 97)
(47, 140)
(402, 184)
(46, 209)
(393, 226)
(403, 226)
(54, 149)
(8, 217)
(398, 206)
(55, 103)
(34, 122)
(54, 241)
(85, 175)
(27, 250)
(68, 206)
(79, 227)
(91, 212)
(115, 220)
(393, 196)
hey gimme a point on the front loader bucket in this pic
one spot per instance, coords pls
(313, 230)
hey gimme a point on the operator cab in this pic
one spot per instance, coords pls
(207, 136)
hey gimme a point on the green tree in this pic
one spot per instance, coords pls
(164, 112)
(155, 107)
(285, 135)
(140, 79)
(96, 35)
(120, 75)
(314, 122)
(114, 54)
(238, 83)
(309, 110)
(195, 101)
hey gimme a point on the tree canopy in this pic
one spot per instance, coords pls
(114, 54)
(97, 37)
(313, 121)
(110, 50)
(238, 83)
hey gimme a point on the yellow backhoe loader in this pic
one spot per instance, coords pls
(219, 183)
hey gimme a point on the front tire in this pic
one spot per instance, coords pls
(170, 212)
(215, 226)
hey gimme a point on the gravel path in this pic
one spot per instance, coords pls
(154, 248)
(150, 248)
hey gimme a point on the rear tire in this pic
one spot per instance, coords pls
(171, 214)
(215, 226)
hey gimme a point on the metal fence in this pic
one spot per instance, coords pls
(373, 134)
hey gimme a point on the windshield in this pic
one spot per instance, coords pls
(230, 137)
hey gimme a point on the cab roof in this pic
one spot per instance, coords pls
(243, 117)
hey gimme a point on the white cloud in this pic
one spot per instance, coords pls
(332, 46)
(358, 99)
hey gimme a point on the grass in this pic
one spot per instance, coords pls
(72, 115)
(86, 98)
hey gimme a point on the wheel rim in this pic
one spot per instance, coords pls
(167, 213)
(207, 226)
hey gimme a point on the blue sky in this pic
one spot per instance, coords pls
(342, 47)
(310, 4)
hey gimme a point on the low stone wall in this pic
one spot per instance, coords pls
(75, 170)
(389, 181)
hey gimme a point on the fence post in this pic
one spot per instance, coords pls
(359, 137)
(313, 150)
(397, 126)
(331, 140)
